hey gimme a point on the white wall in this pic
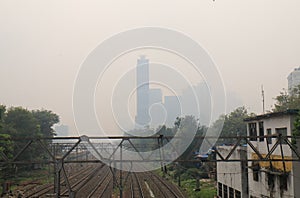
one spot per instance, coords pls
(230, 173)
(259, 188)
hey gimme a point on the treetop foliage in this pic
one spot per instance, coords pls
(18, 122)
(285, 101)
(233, 124)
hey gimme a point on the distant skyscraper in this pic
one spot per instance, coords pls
(293, 79)
(142, 74)
(196, 101)
(156, 107)
(155, 96)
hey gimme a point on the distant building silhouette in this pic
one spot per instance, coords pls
(152, 111)
(156, 107)
(61, 130)
(196, 101)
(142, 80)
(155, 96)
(293, 79)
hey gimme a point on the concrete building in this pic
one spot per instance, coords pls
(232, 177)
(293, 79)
(156, 107)
(196, 101)
(276, 179)
(142, 79)
(147, 98)
(155, 96)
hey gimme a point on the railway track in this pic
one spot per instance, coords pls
(104, 187)
(149, 185)
(97, 181)
(136, 187)
(90, 182)
(161, 187)
(48, 189)
(78, 184)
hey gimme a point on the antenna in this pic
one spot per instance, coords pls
(263, 98)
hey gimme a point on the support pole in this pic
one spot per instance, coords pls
(197, 183)
(57, 171)
(160, 156)
(114, 172)
(163, 155)
(244, 175)
(282, 154)
(121, 166)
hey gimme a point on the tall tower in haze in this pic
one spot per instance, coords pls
(142, 80)
(293, 79)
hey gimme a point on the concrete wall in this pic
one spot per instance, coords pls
(230, 173)
(261, 188)
(276, 122)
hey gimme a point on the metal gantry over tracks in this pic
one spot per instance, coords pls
(66, 150)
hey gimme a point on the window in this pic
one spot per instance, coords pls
(269, 133)
(237, 194)
(231, 192)
(255, 169)
(225, 189)
(271, 179)
(255, 175)
(220, 189)
(261, 131)
(283, 132)
(252, 131)
(283, 182)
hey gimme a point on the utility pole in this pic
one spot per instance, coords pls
(263, 98)
(244, 175)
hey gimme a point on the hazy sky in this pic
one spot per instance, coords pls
(43, 43)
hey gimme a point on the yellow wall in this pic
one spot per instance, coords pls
(276, 164)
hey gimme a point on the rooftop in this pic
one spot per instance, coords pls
(273, 114)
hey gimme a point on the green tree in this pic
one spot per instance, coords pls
(234, 124)
(186, 125)
(23, 122)
(6, 145)
(285, 101)
(2, 114)
(46, 119)
(296, 130)
(2, 111)
(17, 124)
